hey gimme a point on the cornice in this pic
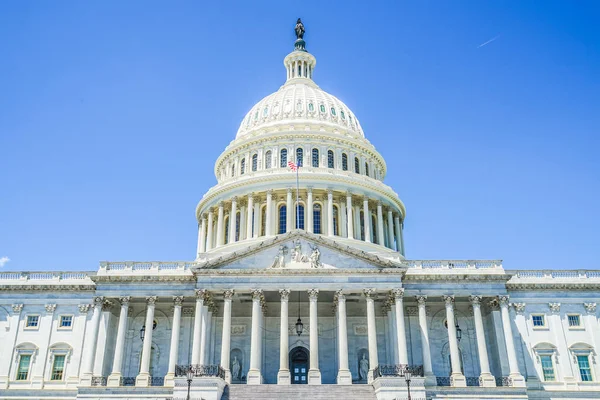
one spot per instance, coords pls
(48, 287)
(144, 278)
(300, 272)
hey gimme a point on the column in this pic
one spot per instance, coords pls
(424, 331)
(254, 374)
(174, 350)
(372, 333)
(343, 221)
(143, 378)
(289, 214)
(220, 238)
(400, 328)
(330, 213)
(308, 219)
(515, 376)
(91, 344)
(344, 377)
(197, 326)
(398, 235)
(202, 236)
(367, 220)
(349, 212)
(457, 378)
(232, 220)
(283, 376)
(209, 235)
(269, 210)
(357, 222)
(226, 334)
(314, 374)
(249, 217)
(486, 379)
(114, 379)
(380, 238)
(242, 227)
(256, 230)
(402, 238)
(390, 223)
(204, 333)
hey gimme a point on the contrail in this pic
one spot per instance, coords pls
(488, 42)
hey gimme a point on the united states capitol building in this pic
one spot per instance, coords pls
(300, 288)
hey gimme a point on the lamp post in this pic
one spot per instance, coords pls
(142, 333)
(458, 332)
(299, 324)
(190, 376)
(407, 377)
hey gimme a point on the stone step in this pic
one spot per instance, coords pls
(298, 392)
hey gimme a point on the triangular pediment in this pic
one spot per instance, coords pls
(295, 251)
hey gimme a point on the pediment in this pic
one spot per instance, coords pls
(297, 250)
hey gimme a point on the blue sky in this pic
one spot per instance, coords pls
(113, 113)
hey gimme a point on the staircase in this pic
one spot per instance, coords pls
(298, 392)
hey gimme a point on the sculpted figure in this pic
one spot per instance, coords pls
(299, 29)
(279, 260)
(235, 368)
(363, 371)
(315, 258)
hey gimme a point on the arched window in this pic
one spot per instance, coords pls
(232, 171)
(282, 219)
(356, 165)
(243, 166)
(317, 218)
(268, 159)
(299, 156)
(330, 159)
(283, 158)
(254, 162)
(335, 220)
(344, 162)
(366, 169)
(300, 217)
(315, 158)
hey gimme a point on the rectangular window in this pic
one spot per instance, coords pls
(66, 321)
(574, 320)
(584, 368)
(547, 368)
(58, 368)
(23, 369)
(32, 321)
(538, 320)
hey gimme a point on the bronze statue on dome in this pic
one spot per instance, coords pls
(299, 29)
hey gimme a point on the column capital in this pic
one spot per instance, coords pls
(228, 294)
(397, 293)
(503, 300)
(221, 204)
(98, 301)
(421, 299)
(204, 215)
(475, 300)
(313, 294)
(83, 308)
(18, 307)
(339, 295)
(309, 189)
(107, 305)
(379, 203)
(251, 196)
(178, 301)
(554, 307)
(590, 307)
(349, 194)
(519, 307)
(494, 305)
(370, 293)
(234, 199)
(257, 294)
(50, 308)
(289, 190)
(448, 300)
(329, 192)
(124, 300)
(151, 300)
(269, 192)
(200, 293)
(285, 294)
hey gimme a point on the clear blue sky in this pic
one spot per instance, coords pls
(112, 115)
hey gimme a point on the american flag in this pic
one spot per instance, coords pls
(292, 166)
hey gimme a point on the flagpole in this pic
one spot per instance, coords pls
(297, 198)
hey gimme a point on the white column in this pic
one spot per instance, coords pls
(174, 350)
(400, 327)
(330, 213)
(513, 366)
(372, 333)
(143, 378)
(308, 223)
(201, 236)
(242, 227)
(226, 334)
(486, 379)
(254, 374)
(342, 219)
(249, 219)
(380, 238)
(204, 334)
(402, 238)
(367, 220)
(209, 235)
(91, 343)
(314, 374)
(457, 378)
(390, 224)
(114, 379)
(398, 235)
(197, 326)
(256, 230)
(424, 331)
(349, 212)
(232, 220)
(289, 205)
(344, 377)
(283, 376)
(357, 222)
(220, 235)
(269, 219)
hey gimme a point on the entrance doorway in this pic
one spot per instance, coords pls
(299, 365)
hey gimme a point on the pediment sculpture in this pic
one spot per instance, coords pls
(297, 259)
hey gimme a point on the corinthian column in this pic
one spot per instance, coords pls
(254, 374)
(269, 219)
(283, 376)
(233, 220)
(485, 379)
(400, 328)
(330, 228)
(308, 223)
(390, 223)
(197, 326)
(457, 379)
(209, 236)
(88, 366)
(143, 378)
(226, 334)
(249, 219)
(114, 379)
(516, 378)
(174, 351)
(350, 222)
(398, 234)
(202, 236)
(372, 333)
(344, 377)
(380, 238)
(289, 214)
(367, 219)
(427, 367)
(220, 235)
(314, 374)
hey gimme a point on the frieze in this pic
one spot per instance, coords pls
(360, 330)
(238, 330)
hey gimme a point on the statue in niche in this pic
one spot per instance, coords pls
(299, 29)
(363, 370)
(235, 368)
(279, 261)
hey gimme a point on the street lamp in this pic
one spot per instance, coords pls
(142, 333)
(458, 332)
(407, 376)
(190, 376)
(299, 324)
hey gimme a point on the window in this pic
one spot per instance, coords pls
(265, 111)
(243, 166)
(547, 368)
(356, 165)
(32, 321)
(23, 368)
(283, 158)
(322, 108)
(254, 162)
(66, 321)
(574, 320)
(300, 217)
(539, 321)
(366, 169)
(317, 218)
(583, 362)
(344, 162)
(335, 220)
(333, 111)
(58, 367)
(311, 107)
(299, 156)
(315, 158)
(232, 171)
(330, 159)
(282, 219)
(268, 159)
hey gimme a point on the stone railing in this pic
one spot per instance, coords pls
(555, 274)
(397, 370)
(18, 277)
(453, 264)
(473, 381)
(557, 279)
(142, 267)
(199, 370)
(127, 381)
